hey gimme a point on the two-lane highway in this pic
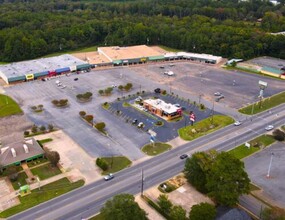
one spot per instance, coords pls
(87, 201)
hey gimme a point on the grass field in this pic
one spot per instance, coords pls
(45, 171)
(97, 217)
(264, 105)
(256, 144)
(116, 164)
(204, 127)
(156, 148)
(8, 106)
(46, 193)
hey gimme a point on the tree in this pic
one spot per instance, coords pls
(100, 162)
(100, 126)
(34, 129)
(53, 157)
(26, 133)
(101, 92)
(227, 180)
(50, 127)
(278, 135)
(196, 169)
(120, 87)
(164, 203)
(82, 113)
(177, 213)
(42, 128)
(89, 118)
(123, 207)
(202, 211)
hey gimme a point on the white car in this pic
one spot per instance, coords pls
(169, 73)
(237, 123)
(217, 94)
(269, 127)
(108, 177)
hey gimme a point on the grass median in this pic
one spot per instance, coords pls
(264, 104)
(256, 144)
(204, 127)
(44, 194)
(8, 106)
(156, 148)
(116, 164)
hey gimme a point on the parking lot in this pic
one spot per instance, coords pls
(168, 130)
(192, 81)
(258, 167)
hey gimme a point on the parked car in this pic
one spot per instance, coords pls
(140, 125)
(108, 177)
(217, 94)
(75, 79)
(134, 121)
(177, 105)
(237, 123)
(169, 73)
(183, 156)
(269, 127)
(157, 90)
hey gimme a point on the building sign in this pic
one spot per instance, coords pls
(143, 59)
(29, 76)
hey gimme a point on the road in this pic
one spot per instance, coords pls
(87, 201)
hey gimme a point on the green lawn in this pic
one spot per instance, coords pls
(3, 63)
(21, 179)
(116, 164)
(37, 162)
(45, 171)
(97, 217)
(204, 127)
(156, 148)
(45, 140)
(11, 169)
(46, 193)
(266, 104)
(82, 50)
(8, 106)
(242, 151)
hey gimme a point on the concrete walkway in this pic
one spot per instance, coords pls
(5, 199)
(27, 170)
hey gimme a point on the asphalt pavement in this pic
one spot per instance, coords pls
(87, 201)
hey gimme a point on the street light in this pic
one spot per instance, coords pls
(142, 183)
(269, 168)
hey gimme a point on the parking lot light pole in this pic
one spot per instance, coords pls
(269, 168)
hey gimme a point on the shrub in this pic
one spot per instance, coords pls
(26, 133)
(101, 92)
(82, 113)
(100, 126)
(40, 106)
(102, 164)
(50, 127)
(163, 92)
(89, 118)
(105, 103)
(143, 92)
(43, 128)
(202, 106)
(63, 102)
(55, 102)
(108, 90)
(34, 108)
(158, 123)
(79, 96)
(87, 95)
(278, 135)
(34, 129)
(120, 87)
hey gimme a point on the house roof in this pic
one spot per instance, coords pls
(225, 213)
(19, 151)
(162, 105)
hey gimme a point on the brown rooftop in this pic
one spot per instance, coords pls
(91, 57)
(132, 52)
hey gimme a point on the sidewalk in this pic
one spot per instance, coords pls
(12, 195)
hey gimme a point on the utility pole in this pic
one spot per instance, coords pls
(142, 182)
